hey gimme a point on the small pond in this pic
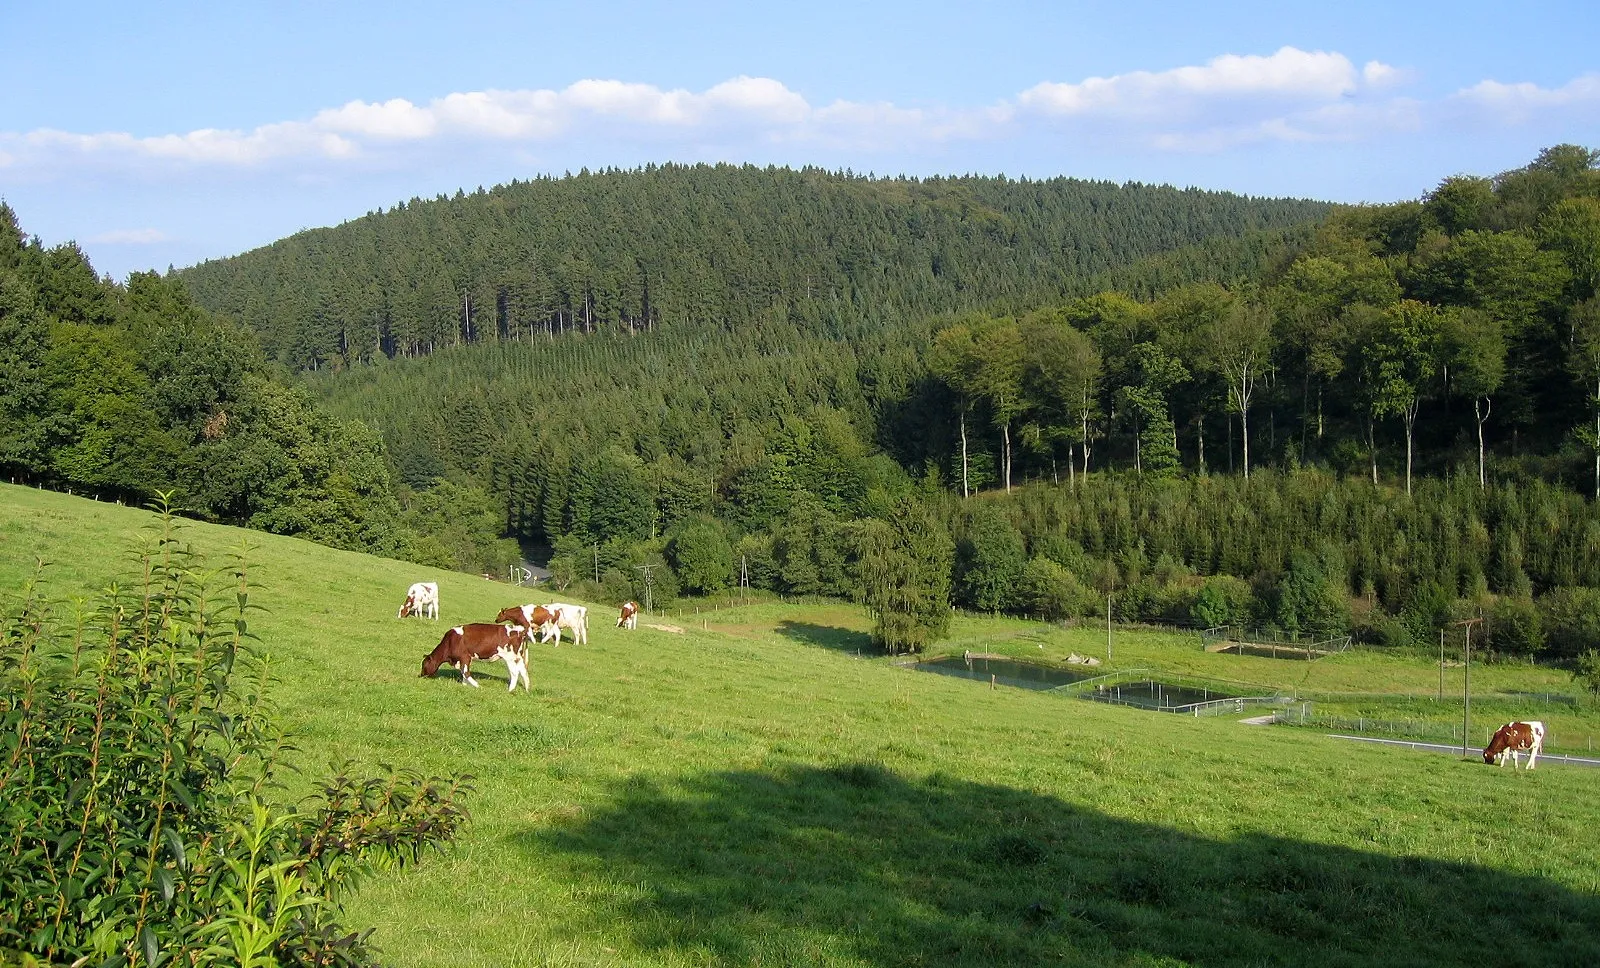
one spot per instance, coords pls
(1006, 672)
(1151, 694)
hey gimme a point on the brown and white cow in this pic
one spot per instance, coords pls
(422, 598)
(534, 618)
(464, 644)
(629, 619)
(1513, 739)
(574, 617)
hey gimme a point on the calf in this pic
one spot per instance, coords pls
(1512, 739)
(465, 643)
(574, 617)
(629, 619)
(422, 598)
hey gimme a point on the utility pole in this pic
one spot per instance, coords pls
(597, 563)
(1441, 665)
(1466, 686)
(744, 578)
(649, 583)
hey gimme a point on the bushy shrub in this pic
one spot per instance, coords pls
(1571, 619)
(1222, 600)
(699, 553)
(1514, 627)
(1308, 600)
(1054, 593)
(1587, 671)
(135, 824)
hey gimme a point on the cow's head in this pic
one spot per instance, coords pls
(430, 665)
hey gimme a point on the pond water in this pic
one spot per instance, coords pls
(1006, 672)
(1151, 694)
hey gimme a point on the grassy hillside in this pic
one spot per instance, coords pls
(749, 791)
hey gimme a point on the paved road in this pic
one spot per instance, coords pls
(1456, 750)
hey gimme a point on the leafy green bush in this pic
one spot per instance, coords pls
(1222, 600)
(1588, 671)
(1571, 618)
(1515, 627)
(139, 756)
(1052, 592)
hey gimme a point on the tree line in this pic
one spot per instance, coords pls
(701, 246)
(123, 391)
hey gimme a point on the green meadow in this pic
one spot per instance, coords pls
(752, 786)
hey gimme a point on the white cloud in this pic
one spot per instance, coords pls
(397, 118)
(1290, 74)
(131, 237)
(1290, 95)
(1519, 102)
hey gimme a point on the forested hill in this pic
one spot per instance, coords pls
(708, 245)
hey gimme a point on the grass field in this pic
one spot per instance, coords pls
(751, 791)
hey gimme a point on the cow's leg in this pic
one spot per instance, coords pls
(1533, 754)
(466, 674)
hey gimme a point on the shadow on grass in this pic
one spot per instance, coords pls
(829, 637)
(857, 865)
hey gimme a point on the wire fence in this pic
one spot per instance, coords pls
(1272, 643)
(1421, 730)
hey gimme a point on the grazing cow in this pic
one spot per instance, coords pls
(422, 599)
(481, 640)
(629, 619)
(574, 617)
(1512, 739)
(534, 618)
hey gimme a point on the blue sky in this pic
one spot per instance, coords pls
(164, 133)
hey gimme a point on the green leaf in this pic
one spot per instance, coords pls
(152, 951)
(181, 792)
(168, 888)
(175, 847)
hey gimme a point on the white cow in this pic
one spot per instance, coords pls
(574, 617)
(422, 598)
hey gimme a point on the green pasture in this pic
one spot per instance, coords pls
(751, 786)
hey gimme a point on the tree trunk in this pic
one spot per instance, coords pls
(1244, 431)
(1086, 441)
(1483, 478)
(1005, 436)
(1200, 433)
(1410, 417)
(1372, 447)
(965, 492)
(1138, 446)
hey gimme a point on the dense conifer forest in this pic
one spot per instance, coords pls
(702, 246)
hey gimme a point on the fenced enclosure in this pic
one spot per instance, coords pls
(1271, 643)
(1171, 693)
(1422, 730)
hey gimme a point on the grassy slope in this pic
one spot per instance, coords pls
(754, 793)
